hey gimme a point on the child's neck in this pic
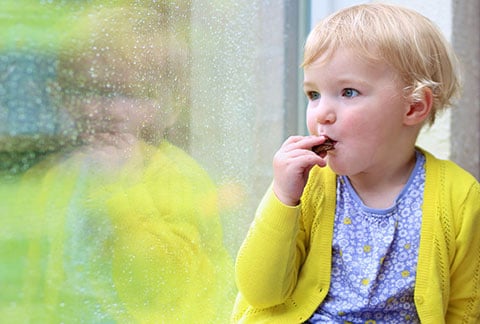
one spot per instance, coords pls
(380, 190)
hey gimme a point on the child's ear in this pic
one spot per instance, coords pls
(419, 107)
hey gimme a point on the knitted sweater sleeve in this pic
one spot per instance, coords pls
(269, 259)
(447, 288)
(464, 303)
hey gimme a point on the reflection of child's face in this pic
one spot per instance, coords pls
(358, 104)
(119, 115)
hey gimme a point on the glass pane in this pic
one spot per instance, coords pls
(135, 141)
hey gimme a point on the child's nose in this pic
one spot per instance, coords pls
(325, 113)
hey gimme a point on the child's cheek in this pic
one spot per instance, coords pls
(311, 124)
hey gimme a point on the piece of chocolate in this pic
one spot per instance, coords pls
(324, 147)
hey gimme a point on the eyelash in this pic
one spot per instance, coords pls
(313, 95)
(349, 90)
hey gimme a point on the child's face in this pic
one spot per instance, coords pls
(119, 115)
(360, 105)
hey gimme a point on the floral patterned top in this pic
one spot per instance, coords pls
(374, 257)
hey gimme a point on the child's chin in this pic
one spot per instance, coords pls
(336, 167)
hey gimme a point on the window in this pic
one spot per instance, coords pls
(136, 139)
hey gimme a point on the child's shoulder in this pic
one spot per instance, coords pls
(448, 177)
(448, 170)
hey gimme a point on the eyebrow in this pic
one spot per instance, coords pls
(310, 84)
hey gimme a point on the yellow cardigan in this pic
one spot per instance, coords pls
(283, 266)
(93, 242)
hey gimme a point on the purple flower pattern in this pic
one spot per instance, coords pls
(374, 257)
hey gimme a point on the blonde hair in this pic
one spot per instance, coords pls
(400, 37)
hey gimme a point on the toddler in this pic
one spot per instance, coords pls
(375, 230)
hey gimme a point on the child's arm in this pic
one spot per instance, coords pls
(270, 257)
(464, 304)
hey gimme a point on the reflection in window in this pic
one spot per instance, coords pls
(132, 152)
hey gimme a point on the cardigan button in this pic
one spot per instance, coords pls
(419, 300)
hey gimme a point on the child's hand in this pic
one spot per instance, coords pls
(291, 166)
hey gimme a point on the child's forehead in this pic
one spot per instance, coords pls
(348, 54)
(346, 65)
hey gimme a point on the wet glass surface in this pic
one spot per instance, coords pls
(135, 141)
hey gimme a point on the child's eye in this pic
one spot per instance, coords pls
(313, 95)
(349, 93)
